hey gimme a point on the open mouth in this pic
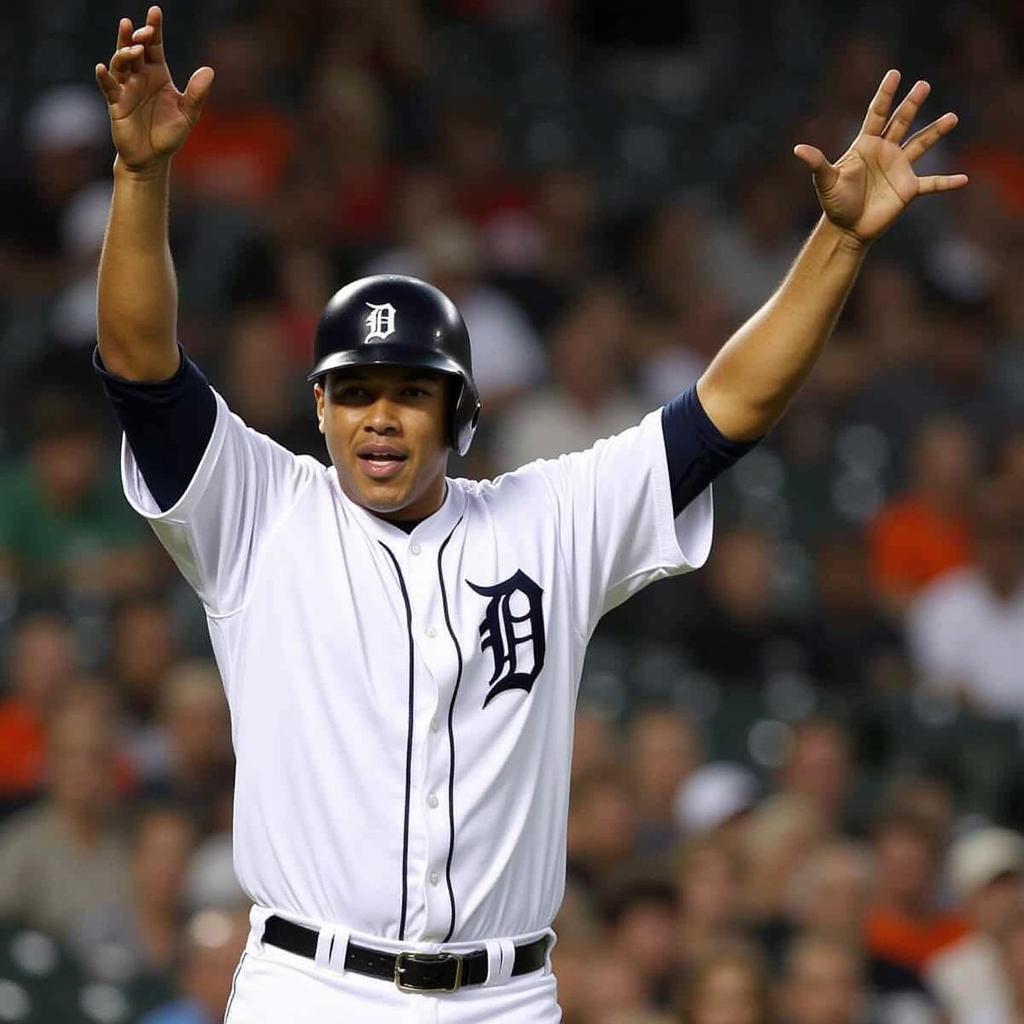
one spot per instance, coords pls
(381, 462)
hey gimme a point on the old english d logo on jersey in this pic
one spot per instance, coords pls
(513, 630)
(381, 321)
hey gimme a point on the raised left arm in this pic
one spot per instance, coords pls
(760, 368)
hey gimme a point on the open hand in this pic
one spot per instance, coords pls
(873, 182)
(149, 118)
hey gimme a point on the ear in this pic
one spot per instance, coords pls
(318, 394)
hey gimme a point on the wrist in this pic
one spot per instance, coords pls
(156, 170)
(844, 239)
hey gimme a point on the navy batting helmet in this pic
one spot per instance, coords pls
(390, 320)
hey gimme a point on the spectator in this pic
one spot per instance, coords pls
(137, 941)
(735, 630)
(662, 750)
(830, 895)
(238, 151)
(853, 645)
(65, 859)
(817, 767)
(643, 924)
(824, 982)
(926, 533)
(587, 400)
(213, 944)
(194, 720)
(777, 838)
(142, 651)
(716, 797)
(708, 883)
(602, 830)
(66, 142)
(750, 250)
(730, 986)
(967, 630)
(905, 925)
(595, 747)
(487, 193)
(63, 521)
(987, 869)
(40, 669)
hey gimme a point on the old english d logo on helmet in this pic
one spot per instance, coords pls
(392, 320)
(380, 322)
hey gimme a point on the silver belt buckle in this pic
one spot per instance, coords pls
(427, 958)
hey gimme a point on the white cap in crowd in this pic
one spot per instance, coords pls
(712, 795)
(983, 856)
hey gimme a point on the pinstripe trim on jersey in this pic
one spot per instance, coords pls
(408, 745)
(451, 730)
(234, 980)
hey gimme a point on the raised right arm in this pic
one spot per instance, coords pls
(150, 120)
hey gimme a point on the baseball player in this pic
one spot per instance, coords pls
(400, 650)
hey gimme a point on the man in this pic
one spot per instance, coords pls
(966, 630)
(986, 870)
(824, 982)
(65, 859)
(401, 651)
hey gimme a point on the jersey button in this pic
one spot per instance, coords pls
(431, 801)
(431, 632)
(414, 548)
(434, 878)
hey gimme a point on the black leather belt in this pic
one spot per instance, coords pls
(411, 972)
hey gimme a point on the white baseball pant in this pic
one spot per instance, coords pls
(273, 986)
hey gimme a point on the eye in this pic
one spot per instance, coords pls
(349, 393)
(416, 392)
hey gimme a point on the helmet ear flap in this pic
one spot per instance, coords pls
(464, 417)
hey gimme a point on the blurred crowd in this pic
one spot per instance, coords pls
(797, 788)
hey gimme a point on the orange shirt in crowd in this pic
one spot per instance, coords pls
(909, 942)
(22, 750)
(911, 545)
(1003, 167)
(236, 157)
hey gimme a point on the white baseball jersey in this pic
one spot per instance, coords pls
(402, 703)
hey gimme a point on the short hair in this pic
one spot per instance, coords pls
(737, 955)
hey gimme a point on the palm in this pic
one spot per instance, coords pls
(873, 182)
(150, 119)
(148, 122)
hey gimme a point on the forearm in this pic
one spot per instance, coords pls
(137, 301)
(760, 368)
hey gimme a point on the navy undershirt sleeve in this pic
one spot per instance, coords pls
(697, 450)
(168, 424)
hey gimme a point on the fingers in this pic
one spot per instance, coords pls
(151, 36)
(825, 174)
(897, 128)
(940, 183)
(920, 143)
(125, 61)
(196, 91)
(878, 112)
(124, 34)
(108, 85)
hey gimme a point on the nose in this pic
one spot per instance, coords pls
(381, 418)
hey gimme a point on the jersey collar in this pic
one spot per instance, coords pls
(432, 529)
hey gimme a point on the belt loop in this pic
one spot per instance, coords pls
(501, 958)
(331, 947)
(257, 922)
